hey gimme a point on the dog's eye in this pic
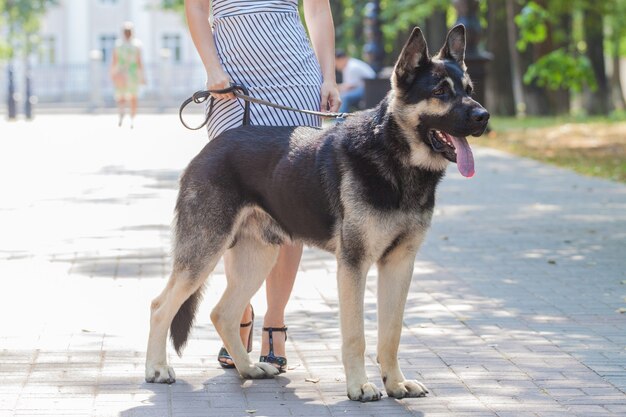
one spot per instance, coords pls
(469, 89)
(439, 92)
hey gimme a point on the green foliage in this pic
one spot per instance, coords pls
(348, 17)
(5, 51)
(533, 25)
(560, 69)
(20, 20)
(174, 5)
(563, 68)
(615, 42)
(399, 16)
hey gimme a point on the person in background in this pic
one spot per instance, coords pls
(263, 45)
(127, 73)
(354, 73)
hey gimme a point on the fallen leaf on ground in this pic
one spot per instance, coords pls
(621, 310)
(313, 380)
(250, 411)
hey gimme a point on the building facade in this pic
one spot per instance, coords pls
(71, 63)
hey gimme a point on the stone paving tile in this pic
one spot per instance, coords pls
(512, 311)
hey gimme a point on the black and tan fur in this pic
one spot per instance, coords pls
(363, 190)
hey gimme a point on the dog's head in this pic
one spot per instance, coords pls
(432, 103)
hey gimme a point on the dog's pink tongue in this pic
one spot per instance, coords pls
(464, 156)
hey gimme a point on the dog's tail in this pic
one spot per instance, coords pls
(183, 320)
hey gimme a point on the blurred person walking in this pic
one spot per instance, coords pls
(354, 72)
(263, 45)
(127, 73)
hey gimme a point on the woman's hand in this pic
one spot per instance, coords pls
(218, 80)
(330, 96)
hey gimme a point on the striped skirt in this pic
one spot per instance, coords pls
(270, 53)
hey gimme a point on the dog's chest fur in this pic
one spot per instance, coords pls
(384, 199)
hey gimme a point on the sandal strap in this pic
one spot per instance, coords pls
(248, 324)
(278, 360)
(223, 356)
(224, 353)
(271, 331)
(276, 329)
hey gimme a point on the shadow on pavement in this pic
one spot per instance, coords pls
(163, 178)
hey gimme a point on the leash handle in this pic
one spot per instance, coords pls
(201, 96)
(241, 92)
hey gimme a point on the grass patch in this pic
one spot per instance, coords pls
(502, 124)
(591, 146)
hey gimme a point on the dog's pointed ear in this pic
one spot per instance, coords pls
(414, 54)
(454, 48)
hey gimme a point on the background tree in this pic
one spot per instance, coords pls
(553, 54)
(499, 95)
(597, 99)
(398, 19)
(19, 22)
(617, 46)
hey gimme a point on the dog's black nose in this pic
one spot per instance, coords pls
(480, 115)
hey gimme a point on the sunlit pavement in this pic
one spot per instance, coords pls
(514, 308)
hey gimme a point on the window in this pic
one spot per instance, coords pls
(107, 43)
(172, 42)
(47, 51)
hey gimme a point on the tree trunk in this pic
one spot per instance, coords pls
(596, 101)
(435, 30)
(516, 62)
(616, 85)
(560, 99)
(499, 88)
(538, 99)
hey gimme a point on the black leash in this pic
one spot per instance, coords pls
(242, 92)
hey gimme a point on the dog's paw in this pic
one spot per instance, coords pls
(406, 389)
(259, 370)
(364, 393)
(161, 374)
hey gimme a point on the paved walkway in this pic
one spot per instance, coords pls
(513, 310)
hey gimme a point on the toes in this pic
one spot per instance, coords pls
(415, 388)
(259, 370)
(227, 362)
(161, 374)
(408, 389)
(268, 369)
(364, 393)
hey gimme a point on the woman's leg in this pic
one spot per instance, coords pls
(121, 103)
(278, 287)
(133, 110)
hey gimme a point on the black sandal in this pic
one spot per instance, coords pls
(270, 357)
(223, 354)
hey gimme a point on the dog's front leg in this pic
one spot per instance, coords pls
(394, 278)
(351, 285)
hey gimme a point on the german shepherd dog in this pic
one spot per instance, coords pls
(363, 190)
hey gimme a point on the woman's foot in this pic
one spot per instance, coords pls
(245, 332)
(273, 347)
